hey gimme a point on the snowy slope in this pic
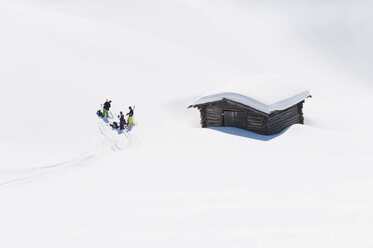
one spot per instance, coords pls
(68, 180)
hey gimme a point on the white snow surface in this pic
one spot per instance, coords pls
(68, 180)
(264, 92)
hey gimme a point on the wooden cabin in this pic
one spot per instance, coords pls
(232, 109)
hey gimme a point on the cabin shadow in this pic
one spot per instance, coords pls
(246, 134)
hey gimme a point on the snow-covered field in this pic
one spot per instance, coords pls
(67, 180)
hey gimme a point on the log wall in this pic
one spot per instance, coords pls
(211, 116)
(279, 120)
(216, 114)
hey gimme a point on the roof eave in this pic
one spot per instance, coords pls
(232, 102)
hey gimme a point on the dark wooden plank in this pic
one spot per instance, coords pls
(281, 126)
(290, 110)
(282, 117)
(276, 122)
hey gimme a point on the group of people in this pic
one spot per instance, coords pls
(122, 121)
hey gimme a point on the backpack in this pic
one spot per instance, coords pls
(99, 113)
(114, 125)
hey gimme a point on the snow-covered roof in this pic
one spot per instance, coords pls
(264, 92)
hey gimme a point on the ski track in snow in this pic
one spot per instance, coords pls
(113, 140)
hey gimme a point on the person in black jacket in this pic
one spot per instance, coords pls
(130, 117)
(105, 111)
(130, 113)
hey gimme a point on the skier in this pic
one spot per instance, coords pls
(130, 117)
(105, 111)
(122, 121)
(120, 115)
